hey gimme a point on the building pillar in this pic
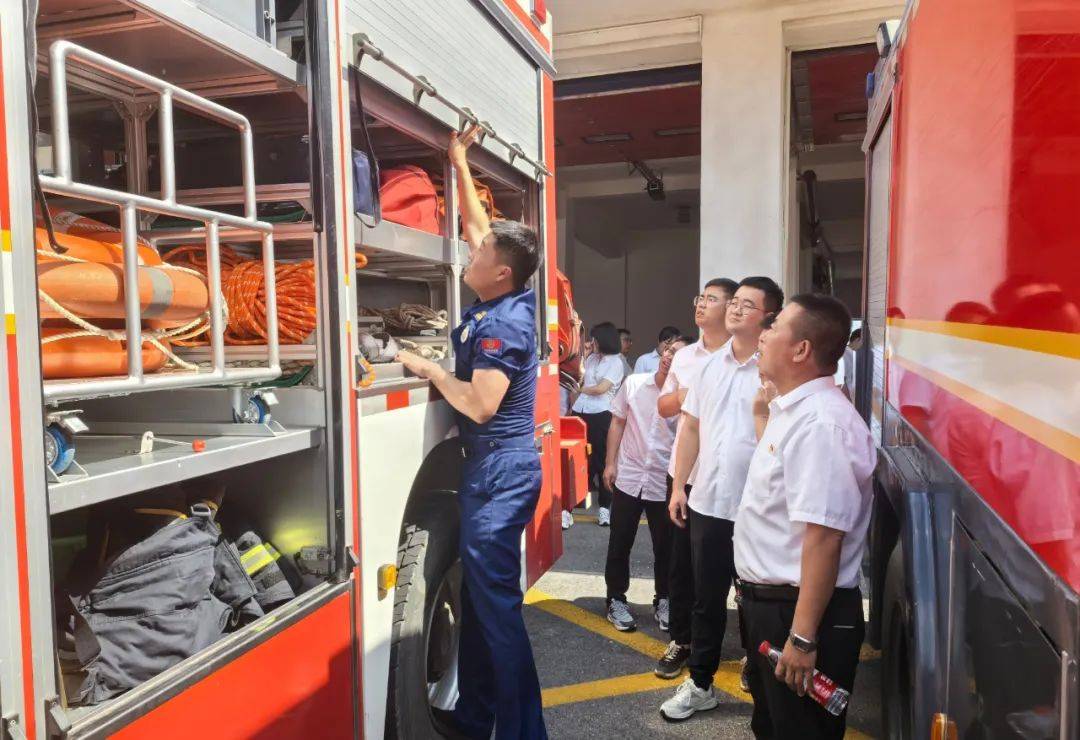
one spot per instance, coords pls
(742, 145)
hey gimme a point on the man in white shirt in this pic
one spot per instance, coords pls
(650, 361)
(710, 308)
(718, 432)
(801, 529)
(638, 449)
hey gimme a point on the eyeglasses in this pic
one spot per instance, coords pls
(744, 307)
(709, 300)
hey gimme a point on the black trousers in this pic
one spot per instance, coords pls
(780, 713)
(680, 580)
(626, 511)
(713, 559)
(596, 430)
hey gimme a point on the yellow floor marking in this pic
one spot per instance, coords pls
(585, 619)
(618, 686)
(726, 679)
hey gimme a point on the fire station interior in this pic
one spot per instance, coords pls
(628, 150)
(828, 122)
(124, 461)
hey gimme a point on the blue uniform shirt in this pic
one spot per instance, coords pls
(501, 334)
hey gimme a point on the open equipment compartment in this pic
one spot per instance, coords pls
(253, 418)
(406, 265)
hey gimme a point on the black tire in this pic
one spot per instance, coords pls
(426, 619)
(897, 715)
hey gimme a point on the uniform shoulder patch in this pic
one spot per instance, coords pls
(490, 344)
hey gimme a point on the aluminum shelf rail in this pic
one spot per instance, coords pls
(114, 466)
(363, 44)
(60, 53)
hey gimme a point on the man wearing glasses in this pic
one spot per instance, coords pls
(718, 433)
(709, 311)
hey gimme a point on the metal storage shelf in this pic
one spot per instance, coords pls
(114, 467)
(217, 58)
(390, 239)
(253, 353)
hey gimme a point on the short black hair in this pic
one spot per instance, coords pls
(519, 248)
(624, 331)
(826, 323)
(774, 296)
(607, 338)
(727, 285)
(667, 333)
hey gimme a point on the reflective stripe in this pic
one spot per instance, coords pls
(259, 557)
(161, 293)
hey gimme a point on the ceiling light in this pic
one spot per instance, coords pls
(605, 138)
(855, 115)
(684, 131)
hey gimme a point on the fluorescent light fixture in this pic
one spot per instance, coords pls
(855, 115)
(684, 131)
(606, 138)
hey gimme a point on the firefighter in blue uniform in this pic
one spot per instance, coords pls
(493, 389)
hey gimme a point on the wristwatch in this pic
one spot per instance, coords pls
(802, 644)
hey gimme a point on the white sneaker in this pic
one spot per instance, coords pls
(567, 519)
(688, 699)
(661, 612)
(618, 613)
(603, 517)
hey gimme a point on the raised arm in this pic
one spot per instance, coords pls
(475, 223)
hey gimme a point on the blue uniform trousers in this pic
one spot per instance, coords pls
(497, 676)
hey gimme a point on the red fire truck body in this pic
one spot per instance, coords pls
(969, 375)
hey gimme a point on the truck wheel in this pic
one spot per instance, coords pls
(427, 624)
(896, 688)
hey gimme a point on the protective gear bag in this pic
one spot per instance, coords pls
(158, 601)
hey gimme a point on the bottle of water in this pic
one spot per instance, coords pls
(822, 689)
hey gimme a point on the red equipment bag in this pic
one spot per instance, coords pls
(570, 374)
(408, 197)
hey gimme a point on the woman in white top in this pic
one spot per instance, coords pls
(604, 373)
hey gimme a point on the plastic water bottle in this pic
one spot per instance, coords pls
(823, 689)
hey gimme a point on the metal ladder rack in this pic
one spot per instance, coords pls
(62, 183)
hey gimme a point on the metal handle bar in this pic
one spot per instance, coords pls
(421, 87)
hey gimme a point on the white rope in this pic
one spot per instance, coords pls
(148, 337)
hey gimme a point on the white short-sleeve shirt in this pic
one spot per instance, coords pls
(685, 366)
(600, 367)
(646, 444)
(813, 465)
(722, 400)
(647, 363)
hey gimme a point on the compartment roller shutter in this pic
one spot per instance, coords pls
(465, 55)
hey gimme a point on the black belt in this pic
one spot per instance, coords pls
(774, 592)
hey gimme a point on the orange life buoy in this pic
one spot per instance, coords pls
(90, 250)
(92, 290)
(91, 356)
(75, 224)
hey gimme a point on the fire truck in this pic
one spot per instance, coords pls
(153, 142)
(969, 374)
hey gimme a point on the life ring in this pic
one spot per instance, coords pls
(91, 356)
(75, 224)
(89, 250)
(92, 290)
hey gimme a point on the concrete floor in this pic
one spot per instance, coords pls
(598, 683)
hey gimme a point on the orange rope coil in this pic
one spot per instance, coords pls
(245, 295)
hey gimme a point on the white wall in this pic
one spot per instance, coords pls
(630, 262)
(745, 140)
